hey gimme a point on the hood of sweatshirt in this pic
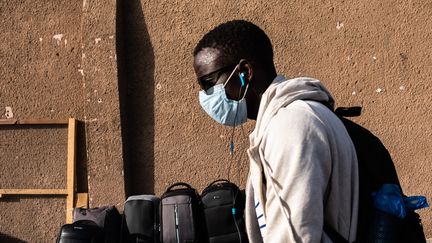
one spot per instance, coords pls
(283, 92)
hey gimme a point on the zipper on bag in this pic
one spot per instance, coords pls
(176, 222)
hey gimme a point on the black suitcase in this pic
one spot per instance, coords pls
(80, 232)
(141, 219)
(223, 205)
(181, 215)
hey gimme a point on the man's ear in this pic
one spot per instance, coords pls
(246, 68)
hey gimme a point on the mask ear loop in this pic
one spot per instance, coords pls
(230, 76)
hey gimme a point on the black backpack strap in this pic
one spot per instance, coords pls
(333, 234)
(348, 111)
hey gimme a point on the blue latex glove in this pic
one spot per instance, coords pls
(415, 202)
(389, 199)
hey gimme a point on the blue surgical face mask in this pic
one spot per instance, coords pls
(223, 110)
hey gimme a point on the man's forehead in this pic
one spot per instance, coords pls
(207, 56)
(207, 61)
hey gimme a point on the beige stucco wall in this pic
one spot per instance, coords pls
(136, 55)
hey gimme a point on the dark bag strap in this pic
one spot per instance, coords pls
(221, 183)
(333, 234)
(219, 180)
(179, 184)
(348, 111)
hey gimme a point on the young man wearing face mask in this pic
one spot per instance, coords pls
(303, 166)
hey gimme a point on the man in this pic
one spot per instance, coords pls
(303, 166)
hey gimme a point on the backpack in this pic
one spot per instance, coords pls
(141, 219)
(181, 215)
(83, 231)
(376, 168)
(223, 205)
(107, 218)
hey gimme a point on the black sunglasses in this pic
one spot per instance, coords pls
(209, 80)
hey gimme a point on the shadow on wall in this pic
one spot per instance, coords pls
(10, 239)
(81, 159)
(135, 60)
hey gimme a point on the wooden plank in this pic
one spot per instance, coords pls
(8, 121)
(34, 122)
(5, 192)
(43, 122)
(70, 180)
(81, 200)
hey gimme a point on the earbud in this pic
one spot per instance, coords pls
(242, 79)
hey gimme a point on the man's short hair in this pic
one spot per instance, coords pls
(239, 39)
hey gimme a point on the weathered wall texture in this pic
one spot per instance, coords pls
(374, 54)
(58, 60)
(101, 112)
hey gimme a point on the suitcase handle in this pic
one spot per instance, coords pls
(179, 184)
(219, 180)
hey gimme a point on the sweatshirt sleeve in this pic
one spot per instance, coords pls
(297, 164)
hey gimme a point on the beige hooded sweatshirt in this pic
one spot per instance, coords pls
(303, 166)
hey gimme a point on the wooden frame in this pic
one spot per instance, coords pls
(72, 199)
